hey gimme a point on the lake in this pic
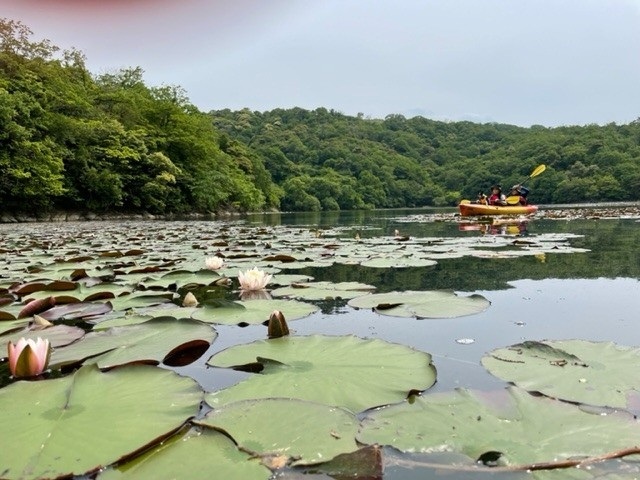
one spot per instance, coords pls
(593, 295)
(585, 287)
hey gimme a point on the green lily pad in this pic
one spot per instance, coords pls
(341, 371)
(140, 300)
(517, 427)
(7, 325)
(79, 423)
(58, 336)
(192, 454)
(306, 432)
(104, 290)
(184, 277)
(323, 290)
(252, 312)
(149, 342)
(398, 262)
(428, 304)
(76, 311)
(595, 373)
(120, 319)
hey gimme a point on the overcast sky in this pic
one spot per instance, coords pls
(521, 62)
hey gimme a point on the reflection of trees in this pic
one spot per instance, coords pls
(331, 306)
(613, 253)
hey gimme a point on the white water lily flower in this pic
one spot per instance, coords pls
(214, 263)
(253, 279)
(28, 357)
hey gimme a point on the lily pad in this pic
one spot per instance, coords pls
(58, 336)
(148, 342)
(76, 311)
(428, 304)
(346, 371)
(76, 424)
(7, 325)
(252, 312)
(305, 432)
(595, 373)
(323, 290)
(192, 454)
(516, 427)
(398, 262)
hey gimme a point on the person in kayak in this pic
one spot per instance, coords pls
(521, 192)
(497, 197)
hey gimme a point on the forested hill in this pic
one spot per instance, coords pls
(72, 140)
(324, 159)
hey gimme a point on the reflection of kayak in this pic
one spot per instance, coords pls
(496, 226)
(469, 209)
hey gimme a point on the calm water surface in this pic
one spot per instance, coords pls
(593, 295)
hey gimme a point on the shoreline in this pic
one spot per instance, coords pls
(64, 217)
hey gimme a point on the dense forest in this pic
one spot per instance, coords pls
(72, 140)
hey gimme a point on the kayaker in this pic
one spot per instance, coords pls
(497, 197)
(521, 192)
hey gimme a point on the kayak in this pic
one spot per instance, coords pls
(468, 209)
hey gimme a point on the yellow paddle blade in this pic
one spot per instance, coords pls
(513, 200)
(538, 170)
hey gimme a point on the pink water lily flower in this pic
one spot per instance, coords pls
(253, 279)
(28, 357)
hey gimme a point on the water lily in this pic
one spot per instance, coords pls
(277, 325)
(28, 357)
(190, 300)
(214, 263)
(253, 279)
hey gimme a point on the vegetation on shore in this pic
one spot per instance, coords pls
(74, 141)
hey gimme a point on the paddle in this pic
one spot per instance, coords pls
(515, 199)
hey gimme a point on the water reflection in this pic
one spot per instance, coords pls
(496, 227)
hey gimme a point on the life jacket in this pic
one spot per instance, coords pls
(495, 199)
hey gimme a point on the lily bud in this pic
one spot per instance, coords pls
(41, 322)
(277, 325)
(190, 300)
(28, 357)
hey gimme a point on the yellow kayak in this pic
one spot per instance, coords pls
(468, 209)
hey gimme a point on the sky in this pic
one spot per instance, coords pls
(519, 62)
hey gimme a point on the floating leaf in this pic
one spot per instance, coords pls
(306, 432)
(58, 336)
(79, 423)
(9, 325)
(398, 262)
(149, 342)
(37, 307)
(252, 312)
(76, 311)
(341, 371)
(429, 304)
(202, 453)
(517, 427)
(323, 290)
(596, 373)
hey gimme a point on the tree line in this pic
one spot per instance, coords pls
(72, 140)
